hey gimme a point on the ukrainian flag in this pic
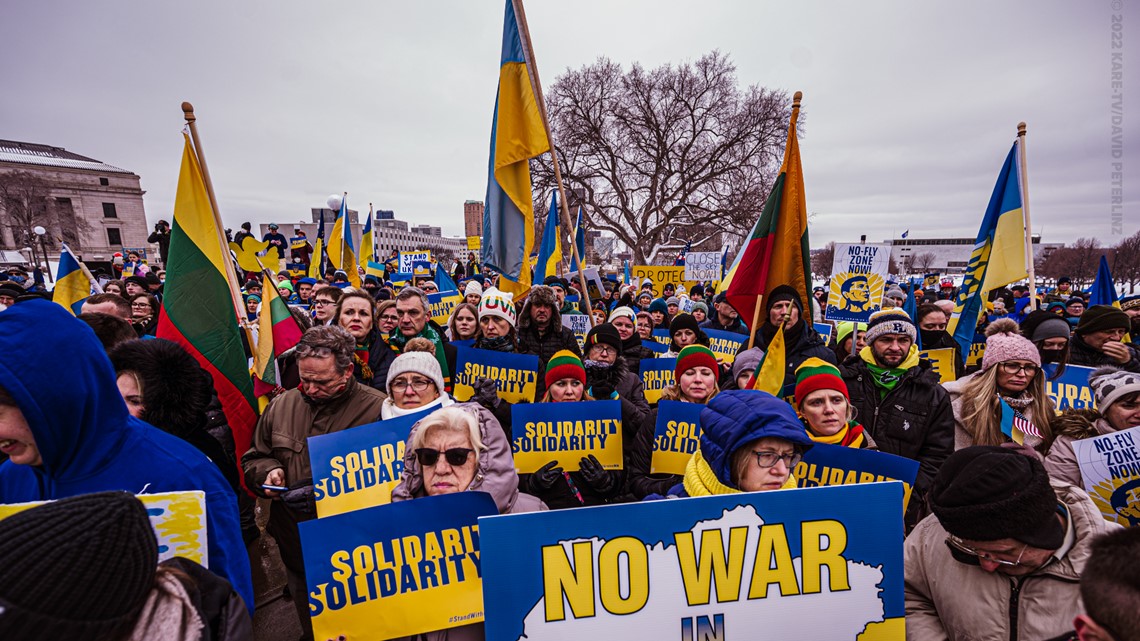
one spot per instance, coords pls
(72, 286)
(318, 257)
(340, 250)
(550, 252)
(999, 252)
(367, 248)
(580, 237)
(1103, 290)
(517, 135)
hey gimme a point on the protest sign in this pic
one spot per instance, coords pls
(660, 275)
(358, 467)
(1110, 469)
(662, 336)
(464, 342)
(656, 375)
(542, 432)
(858, 276)
(178, 519)
(441, 304)
(725, 344)
(579, 324)
(827, 464)
(474, 243)
(702, 266)
(396, 570)
(515, 374)
(977, 350)
(594, 285)
(942, 360)
(408, 260)
(399, 279)
(1071, 390)
(820, 563)
(675, 436)
(823, 329)
(654, 346)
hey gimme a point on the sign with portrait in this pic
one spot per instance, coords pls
(858, 276)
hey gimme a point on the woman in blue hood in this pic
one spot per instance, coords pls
(750, 442)
(67, 431)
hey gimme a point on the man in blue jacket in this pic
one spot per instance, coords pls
(67, 431)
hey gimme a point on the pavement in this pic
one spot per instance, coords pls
(274, 617)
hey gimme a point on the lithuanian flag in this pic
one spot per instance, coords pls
(776, 252)
(198, 304)
(277, 332)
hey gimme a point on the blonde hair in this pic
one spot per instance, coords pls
(981, 407)
(449, 419)
(673, 393)
(546, 398)
(420, 344)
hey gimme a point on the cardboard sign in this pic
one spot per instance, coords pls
(396, 570)
(654, 346)
(579, 324)
(543, 432)
(702, 266)
(858, 277)
(942, 360)
(594, 286)
(515, 374)
(676, 436)
(725, 345)
(474, 243)
(823, 329)
(977, 350)
(441, 304)
(178, 519)
(827, 464)
(820, 563)
(656, 375)
(408, 260)
(660, 275)
(358, 467)
(1110, 469)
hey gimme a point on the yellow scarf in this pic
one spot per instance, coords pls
(838, 438)
(700, 480)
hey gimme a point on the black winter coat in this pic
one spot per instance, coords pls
(630, 390)
(632, 352)
(380, 357)
(809, 344)
(1081, 354)
(945, 340)
(546, 345)
(639, 452)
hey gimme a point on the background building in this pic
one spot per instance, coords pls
(473, 218)
(95, 207)
(947, 255)
(389, 233)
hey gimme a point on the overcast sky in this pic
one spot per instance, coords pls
(910, 107)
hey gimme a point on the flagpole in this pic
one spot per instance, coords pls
(231, 274)
(1023, 179)
(564, 213)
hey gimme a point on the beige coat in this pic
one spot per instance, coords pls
(950, 601)
(1069, 426)
(962, 436)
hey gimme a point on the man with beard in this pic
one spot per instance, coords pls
(329, 400)
(608, 377)
(541, 332)
(1131, 305)
(898, 398)
(932, 330)
(801, 341)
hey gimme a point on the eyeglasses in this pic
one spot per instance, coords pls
(769, 459)
(973, 556)
(140, 305)
(603, 349)
(390, 318)
(456, 456)
(419, 385)
(1013, 368)
(317, 302)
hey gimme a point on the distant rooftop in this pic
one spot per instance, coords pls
(30, 153)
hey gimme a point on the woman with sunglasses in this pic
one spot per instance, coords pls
(144, 314)
(1011, 376)
(356, 313)
(750, 442)
(415, 381)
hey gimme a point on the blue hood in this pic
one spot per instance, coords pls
(735, 418)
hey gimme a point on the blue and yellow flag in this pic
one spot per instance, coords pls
(342, 254)
(1103, 290)
(367, 247)
(72, 286)
(517, 135)
(580, 236)
(999, 252)
(550, 252)
(318, 258)
(769, 375)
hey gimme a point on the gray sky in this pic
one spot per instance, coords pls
(910, 107)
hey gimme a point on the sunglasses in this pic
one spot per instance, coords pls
(456, 456)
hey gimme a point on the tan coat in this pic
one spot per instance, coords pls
(962, 437)
(281, 436)
(950, 601)
(1069, 426)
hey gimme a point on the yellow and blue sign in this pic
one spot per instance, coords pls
(396, 570)
(858, 279)
(1110, 469)
(942, 361)
(542, 432)
(1071, 389)
(407, 260)
(515, 374)
(676, 436)
(654, 346)
(827, 464)
(358, 467)
(725, 344)
(720, 567)
(656, 375)
(441, 304)
(824, 330)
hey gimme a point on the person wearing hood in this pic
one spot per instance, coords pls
(1050, 335)
(1117, 399)
(696, 382)
(356, 314)
(801, 341)
(414, 382)
(561, 288)
(750, 442)
(329, 400)
(850, 337)
(624, 320)
(608, 377)
(931, 322)
(67, 431)
(1099, 340)
(540, 330)
(684, 331)
(823, 404)
(899, 398)
(461, 448)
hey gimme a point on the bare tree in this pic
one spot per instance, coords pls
(1126, 261)
(923, 261)
(667, 155)
(25, 204)
(822, 261)
(1078, 262)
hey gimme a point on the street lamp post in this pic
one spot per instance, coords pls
(41, 232)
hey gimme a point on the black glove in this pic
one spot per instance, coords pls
(300, 500)
(547, 476)
(486, 392)
(595, 475)
(602, 391)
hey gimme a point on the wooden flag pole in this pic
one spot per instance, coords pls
(564, 213)
(231, 273)
(1023, 179)
(755, 319)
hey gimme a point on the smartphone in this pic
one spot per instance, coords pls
(275, 488)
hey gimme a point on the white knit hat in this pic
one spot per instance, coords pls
(496, 302)
(421, 363)
(472, 288)
(623, 311)
(1109, 384)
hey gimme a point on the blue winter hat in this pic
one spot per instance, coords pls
(307, 281)
(658, 305)
(735, 418)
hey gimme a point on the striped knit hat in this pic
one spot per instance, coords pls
(816, 374)
(889, 321)
(564, 364)
(694, 356)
